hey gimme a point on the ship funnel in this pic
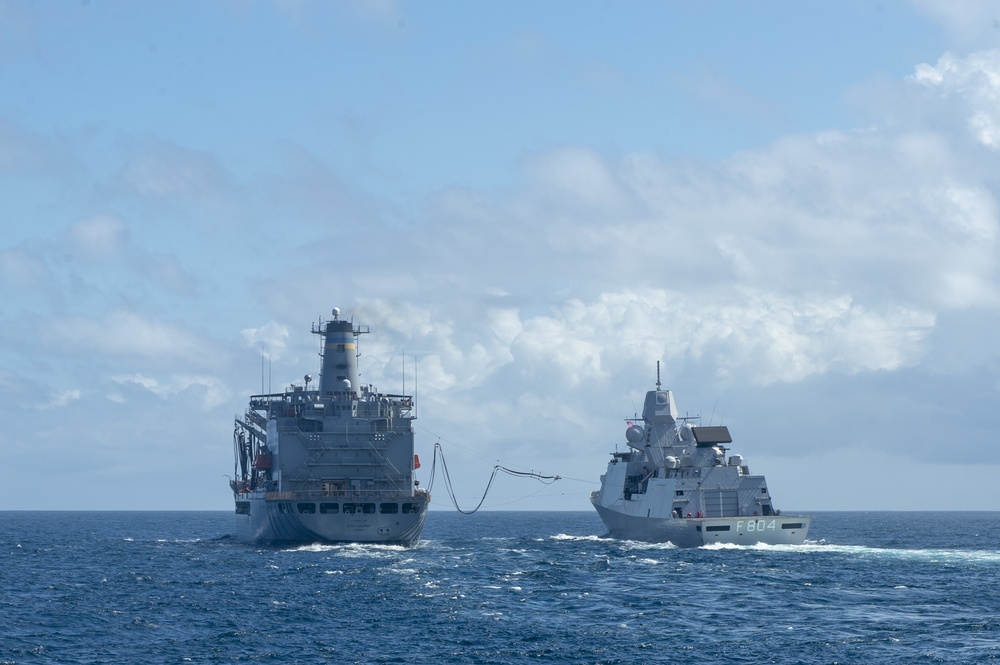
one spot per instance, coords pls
(340, 357)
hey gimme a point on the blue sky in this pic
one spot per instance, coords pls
(792, 206)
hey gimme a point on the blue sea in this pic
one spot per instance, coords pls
(496, 587)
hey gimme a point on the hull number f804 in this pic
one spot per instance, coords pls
(755, 525)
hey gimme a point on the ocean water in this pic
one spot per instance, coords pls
(497, 587)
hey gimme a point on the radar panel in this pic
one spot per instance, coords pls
(707, 436)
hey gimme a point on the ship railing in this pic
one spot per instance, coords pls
(366, 400)
(264, 402)
(381, 436)
(357, 495)
(337, 483)
(346, 461)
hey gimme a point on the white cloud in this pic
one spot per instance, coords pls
(752, 338)
(975, 80)
(272, 337)
(566, 348)
(583, 348)
(61, 398)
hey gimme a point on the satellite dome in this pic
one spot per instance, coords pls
(634, 434)
(336, 313)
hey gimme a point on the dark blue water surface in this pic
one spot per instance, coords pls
(508, 587)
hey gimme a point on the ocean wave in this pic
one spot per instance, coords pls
(930, 555)
(349, 549)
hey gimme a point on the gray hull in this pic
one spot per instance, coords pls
(271, 522)
(696, 532)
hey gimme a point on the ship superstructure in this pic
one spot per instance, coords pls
(333, 463)
(677, 482)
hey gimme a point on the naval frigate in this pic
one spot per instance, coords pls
(330, 464)
(677, 483)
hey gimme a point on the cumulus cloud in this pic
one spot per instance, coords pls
(975, 80)
(888, 221)
(272, 337)
(755, 338)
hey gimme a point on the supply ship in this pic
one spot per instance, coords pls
(330, 464)
(678, 483)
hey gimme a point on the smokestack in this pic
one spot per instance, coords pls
(340, 361)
